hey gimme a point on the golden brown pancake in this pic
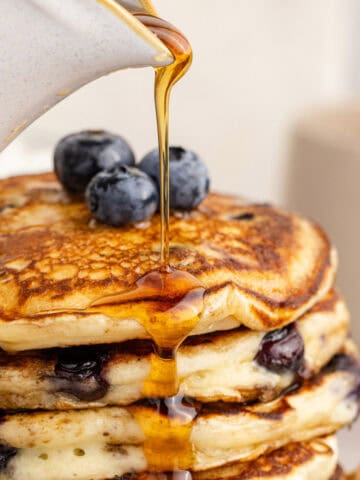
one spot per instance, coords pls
(219, 433)
(311, 460)
(261, 267)
(212, 367)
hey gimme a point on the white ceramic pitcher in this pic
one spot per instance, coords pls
(50, 48)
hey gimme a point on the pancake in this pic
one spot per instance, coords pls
(219, 433)
(261, 267)
(311, 460)
(307, 461)
(221, 366)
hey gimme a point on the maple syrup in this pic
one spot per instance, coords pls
(167, 302)
(167, 426)
(165, 79)
(170, 301)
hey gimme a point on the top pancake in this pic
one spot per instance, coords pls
(261, 267)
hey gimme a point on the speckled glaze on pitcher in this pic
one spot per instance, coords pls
(50, 48)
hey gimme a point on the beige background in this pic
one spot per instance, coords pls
(259, 66)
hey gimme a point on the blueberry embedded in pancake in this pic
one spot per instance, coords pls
(6, 454)
(262, 271)
(78, 373)
(282, 350)
(222, 366)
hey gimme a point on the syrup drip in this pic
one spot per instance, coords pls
(168, 304)
(167, 426)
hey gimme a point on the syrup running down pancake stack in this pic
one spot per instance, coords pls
(268, 375)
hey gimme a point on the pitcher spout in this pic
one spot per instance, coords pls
(52, 48)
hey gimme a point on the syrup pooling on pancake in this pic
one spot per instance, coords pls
(168, 305)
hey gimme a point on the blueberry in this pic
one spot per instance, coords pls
(6, 454)
(189, 177)
(78, 372)
(121, 196)
(282, 350)
(80, 156)
(78, 363)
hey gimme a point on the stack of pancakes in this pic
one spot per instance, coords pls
(270, 368)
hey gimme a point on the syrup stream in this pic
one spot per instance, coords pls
(167, 302)
(165, 79)
(168, 444)
(167, 431)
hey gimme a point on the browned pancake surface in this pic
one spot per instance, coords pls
(286, 463)
(270, 265)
